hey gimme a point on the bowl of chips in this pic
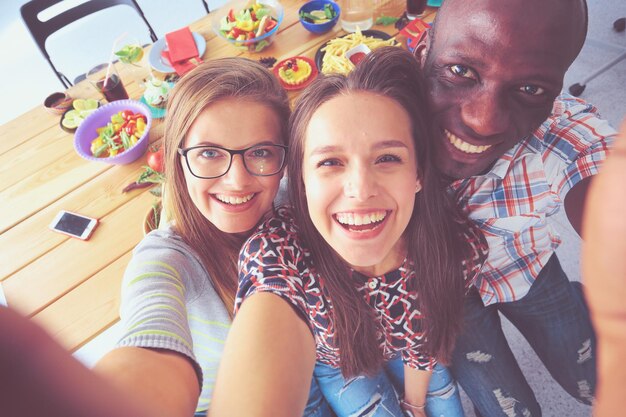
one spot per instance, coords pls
(331, 56)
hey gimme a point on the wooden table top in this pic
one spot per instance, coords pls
(72, 287)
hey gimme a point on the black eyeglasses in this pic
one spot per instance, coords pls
(214, 161)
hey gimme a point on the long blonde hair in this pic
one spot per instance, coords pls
(210, 82)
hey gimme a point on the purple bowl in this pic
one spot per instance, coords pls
(86, 132)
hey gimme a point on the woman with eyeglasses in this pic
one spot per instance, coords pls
(225, 137)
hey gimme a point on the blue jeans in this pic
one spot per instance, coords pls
(377, 396)
(554, 318)
(316, 405)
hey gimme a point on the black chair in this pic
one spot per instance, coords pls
(205, 3)
(40, 30)
(577, 89)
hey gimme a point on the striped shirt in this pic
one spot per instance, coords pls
(512, 203)
(168, 302)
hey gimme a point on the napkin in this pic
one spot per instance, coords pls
(414, 32)
(181, 45)
(181, 67)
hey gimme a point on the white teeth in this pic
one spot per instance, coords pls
(229, 199)
(464, 146)
(356, 219)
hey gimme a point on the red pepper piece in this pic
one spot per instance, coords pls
(271, 24)
(126, 114)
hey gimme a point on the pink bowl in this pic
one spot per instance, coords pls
(86, 132)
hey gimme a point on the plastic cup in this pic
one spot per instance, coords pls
(415, 8)
(111, 88)
(357, 13)
(389, 8)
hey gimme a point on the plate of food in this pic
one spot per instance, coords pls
(330, 57)
(296, 72)
(79, 110)
(161, 64)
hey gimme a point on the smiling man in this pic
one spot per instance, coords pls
(516, 152)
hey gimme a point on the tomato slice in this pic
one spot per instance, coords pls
(126, 114)
(271, 24)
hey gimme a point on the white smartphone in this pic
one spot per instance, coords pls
(74, 225)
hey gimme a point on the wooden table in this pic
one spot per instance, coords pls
(70, 286)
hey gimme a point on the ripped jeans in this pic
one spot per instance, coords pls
(316, 405)
(377, 396)
(554, 318)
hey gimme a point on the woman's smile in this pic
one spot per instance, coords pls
(360, 177)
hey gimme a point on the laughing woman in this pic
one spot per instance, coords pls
(369, 269)
(225, 138)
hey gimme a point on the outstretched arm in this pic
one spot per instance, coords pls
(268, 361)
(163, 378)
(38, 377)
(604, 273)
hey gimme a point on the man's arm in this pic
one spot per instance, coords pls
(575, 203)
(604, 273)
(583, 138)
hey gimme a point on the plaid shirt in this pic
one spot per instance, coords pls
(513, 201)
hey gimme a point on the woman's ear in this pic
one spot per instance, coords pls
(418, 186)
(423, 45)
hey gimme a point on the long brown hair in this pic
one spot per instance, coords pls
(210, 82)
(432, 235)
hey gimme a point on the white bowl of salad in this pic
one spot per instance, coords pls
(249, 25)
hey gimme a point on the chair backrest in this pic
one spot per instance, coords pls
(205, 3)
(40, 30)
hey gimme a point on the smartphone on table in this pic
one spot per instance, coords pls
(74, 225)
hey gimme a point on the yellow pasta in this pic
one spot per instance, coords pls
(334, 60)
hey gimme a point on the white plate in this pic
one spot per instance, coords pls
(158, 63)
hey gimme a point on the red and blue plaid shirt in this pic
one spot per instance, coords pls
(528, 184)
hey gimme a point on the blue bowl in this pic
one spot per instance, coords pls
(319, 5)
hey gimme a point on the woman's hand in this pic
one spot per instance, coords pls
(413, 411)
(415, 389)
